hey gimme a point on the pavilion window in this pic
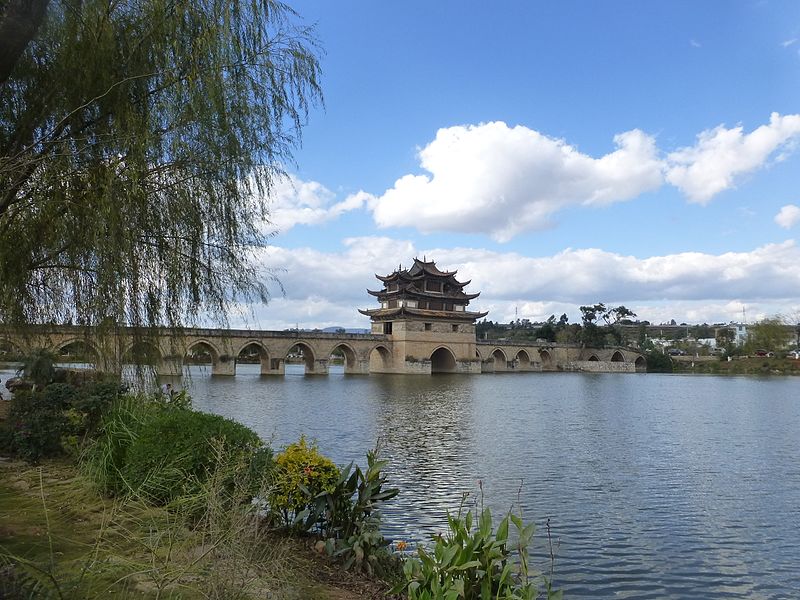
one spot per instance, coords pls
(433, 286)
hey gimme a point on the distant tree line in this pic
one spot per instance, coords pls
(600, 326)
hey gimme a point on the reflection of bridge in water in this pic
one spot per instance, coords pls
(362, 353)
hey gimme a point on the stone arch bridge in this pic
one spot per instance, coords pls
(503, 356)
(360, 353)
(224, 348)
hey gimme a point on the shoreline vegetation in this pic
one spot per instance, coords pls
(104, 492)
(715, 365)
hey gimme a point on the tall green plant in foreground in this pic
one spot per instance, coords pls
(473, 561)
(164, 452)
(348, 517)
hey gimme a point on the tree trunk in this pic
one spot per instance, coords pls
(19, 22)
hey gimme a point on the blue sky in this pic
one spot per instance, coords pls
(557, 154)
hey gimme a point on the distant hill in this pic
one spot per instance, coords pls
(345, 330)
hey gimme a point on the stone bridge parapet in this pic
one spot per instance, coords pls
(361, 353)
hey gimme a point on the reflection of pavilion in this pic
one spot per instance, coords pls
(424, 314)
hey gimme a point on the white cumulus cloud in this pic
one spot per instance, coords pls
(293, 201)
(788, 216)
(325, 288)
(721, 154)
(504, 180)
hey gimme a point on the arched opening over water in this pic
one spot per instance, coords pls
(301, 354)
(546, 358)
(142, 353)
(380, 359)
(443, 361)
(500, 360)
(344, 355)
(617, 357)
(522, 360)
(593, 358)
(253, 353)
(201, 353)
(77, 351)
(641, 364)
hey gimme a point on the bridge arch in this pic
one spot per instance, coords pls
(9, 347)
(500, 359)
(641, 364)
(546, 357)
(443, 360)
(593, 358)
(617, 357)
(380, 359)
(523, 359)
(253, 348)
(307, 351)
(67, 347)
(350, 356)
(142, 352)
(200, 348)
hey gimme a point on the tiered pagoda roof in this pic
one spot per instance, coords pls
(422, 290)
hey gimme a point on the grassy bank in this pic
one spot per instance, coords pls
(60, 538)
(738, 366)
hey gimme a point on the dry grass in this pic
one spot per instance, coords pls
(61, 539)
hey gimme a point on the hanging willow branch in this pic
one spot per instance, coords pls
(138, 143)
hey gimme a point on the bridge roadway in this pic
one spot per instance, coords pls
(363, 353)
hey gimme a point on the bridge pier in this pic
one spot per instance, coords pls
(170, 366)
(319, 367)
(273, 366)
(224, 366)
(361, 367)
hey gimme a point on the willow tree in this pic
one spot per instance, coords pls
(139, 142)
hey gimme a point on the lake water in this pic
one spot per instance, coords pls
(656, 486)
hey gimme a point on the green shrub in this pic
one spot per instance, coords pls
(658, 362)
(39, 367)
(301, 473)
(36, 424)
(173, 452)
(105, 458)
(93, 400)
(474, 562)
(46, 421)
(348, 516)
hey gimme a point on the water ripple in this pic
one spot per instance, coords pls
(655, 486)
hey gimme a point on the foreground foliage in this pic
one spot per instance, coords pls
(60, 539)
(163, 451)
(473, 561)
(221, 490)
(348, 517)
(301, 472)
(55, 419)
